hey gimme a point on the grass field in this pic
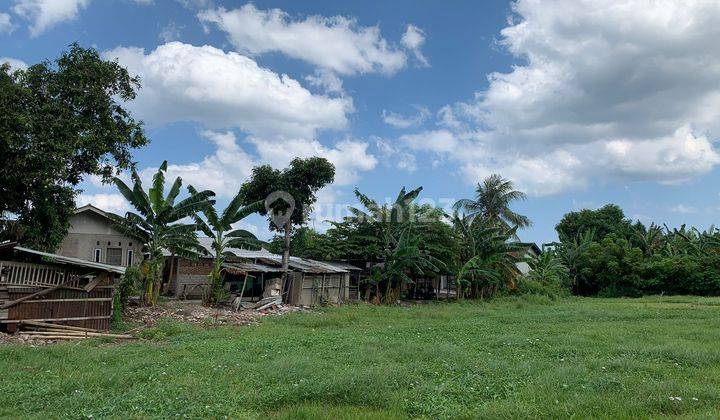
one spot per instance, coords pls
(527, 357)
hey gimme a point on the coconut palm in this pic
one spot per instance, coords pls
(220, 229)
(489, 257)
(493, 198)
(157, 224)
(548, 269)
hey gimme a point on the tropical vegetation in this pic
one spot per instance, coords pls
(220, 229)
(158, 223)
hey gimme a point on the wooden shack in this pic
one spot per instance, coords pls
(38, 286)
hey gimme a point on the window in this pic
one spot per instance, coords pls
(130, 257)
(98, 254)
(113, 256)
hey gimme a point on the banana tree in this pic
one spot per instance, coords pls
(220, 229)
(157, 222)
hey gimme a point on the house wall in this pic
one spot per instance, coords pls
(314, 289)
(189, 274)
(90, 231)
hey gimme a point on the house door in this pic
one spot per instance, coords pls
(113, 256)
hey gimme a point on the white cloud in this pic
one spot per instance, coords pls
(413, 39)
(170, 32)
(14, 63)
(400, 121)
(683, 209)
(6, 25)
(45, 14)
(396, 156)
(334, 43)
(349, 157)
(439, 141)
(605, 91)
(326, 80)
(223, 171)
(114, 203)
(226, 90)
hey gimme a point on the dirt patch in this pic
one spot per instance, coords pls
(189, 311)
(193, 312)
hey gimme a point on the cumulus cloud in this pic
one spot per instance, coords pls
(223, 171)
(402, 121)
(6, 25)
(44, 14)
(413, 39)
(113, 203)
(336, 43)
(350, 157)
(14, 63)
(183, 82)
(604, 90)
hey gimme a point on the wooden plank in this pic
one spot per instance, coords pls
(16, 321)
(56, 326)
(69, 300)
(24, 298)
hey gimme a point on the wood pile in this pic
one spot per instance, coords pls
(48, 331)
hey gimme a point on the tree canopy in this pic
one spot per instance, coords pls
(60, 122)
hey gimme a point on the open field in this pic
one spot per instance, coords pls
(513, 357)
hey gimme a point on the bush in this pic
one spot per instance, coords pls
(126, 287)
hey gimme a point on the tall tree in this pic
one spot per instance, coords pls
(288, 194)
(224, 236)
(157, 224)
(58, 124)
(492, 201)
(603, 221)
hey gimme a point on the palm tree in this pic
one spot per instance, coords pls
(570, 253)
(493, 198)
(401, 253)
(220, 229)
(548, 269)
(488, 258)
(157, 224)
(403, 259)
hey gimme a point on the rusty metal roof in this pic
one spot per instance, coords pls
(247, 267)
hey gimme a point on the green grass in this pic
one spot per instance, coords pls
(527, 357)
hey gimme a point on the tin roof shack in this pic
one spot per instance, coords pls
(314, 282)
(38, 286)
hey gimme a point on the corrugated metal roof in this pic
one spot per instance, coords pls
(60, 259)
(246, 267)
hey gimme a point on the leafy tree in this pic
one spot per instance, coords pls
(157, 224)
(492, 201)
(301, 180)
(609, 219)
(306, 242)
(60, 123)
(219, 228)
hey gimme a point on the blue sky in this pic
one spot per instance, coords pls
(581, 103)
